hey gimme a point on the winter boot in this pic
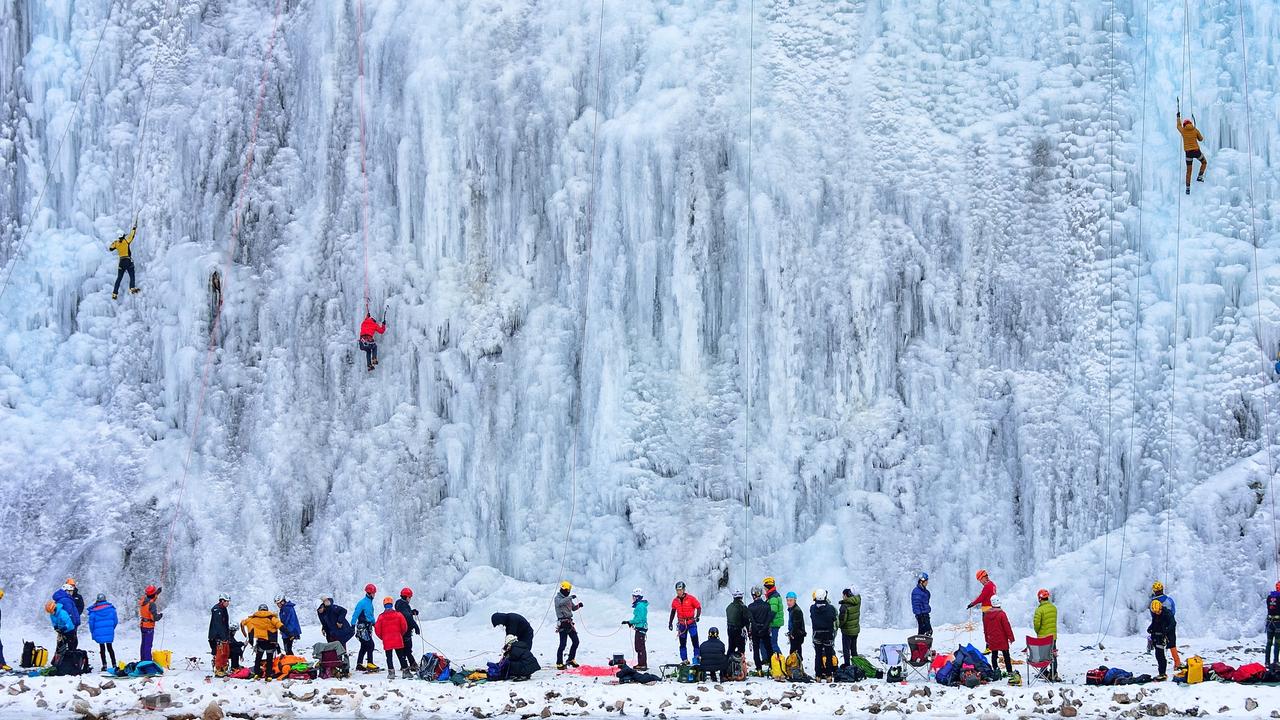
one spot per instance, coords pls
(391, 673)
(114, 296)
(134, 291)
(1199, 178)
(1188, 189)
(573, 663)
(406, 673)
(560, 666)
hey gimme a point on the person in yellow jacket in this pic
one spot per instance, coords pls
(1045, 624)
(1191, 139)
(121, 247)
(262, 628)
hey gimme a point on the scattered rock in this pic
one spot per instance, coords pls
(969, 709)
(1068, 710)
(839, 710)
(479, 714)
(922, 708)
(307, 696)
(703, 688)
(618, 705)
(546, 711)
(18, 688)
(1250, 704)
(718, 687)
(753, 702)
(789, 695)
(40, 703)
(923, 691)
(705, 709)
(725, 705)
(81, 708)
(1156, 709)
(90, 689)
(994, 692)
(667, 703)
(874, 708)
(108, 685)
(213, 711)
(338, 691)
(159, 701)
(1121, 698)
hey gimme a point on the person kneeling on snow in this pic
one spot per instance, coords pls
(627, 675)
(520, 660)
(713, 660)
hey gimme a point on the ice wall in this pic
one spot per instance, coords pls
(832, 292)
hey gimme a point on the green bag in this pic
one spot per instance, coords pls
(867, 668)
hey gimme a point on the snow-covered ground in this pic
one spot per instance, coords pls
(470, 641)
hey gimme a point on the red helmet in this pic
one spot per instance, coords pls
(1186, 121)
(982, 575)
(406, 592)
(370, 589)
(1278, 587)
(1042, 594)
(151, 590)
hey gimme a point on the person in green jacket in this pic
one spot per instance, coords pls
(1045, 624)
(639, 622)
(850, 623)
(779, 609)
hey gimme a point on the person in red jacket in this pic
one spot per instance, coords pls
(368, 330)
(999, 634)
(390, 628)
(988, 591)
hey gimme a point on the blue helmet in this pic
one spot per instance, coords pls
(791, 596)
(924, 577)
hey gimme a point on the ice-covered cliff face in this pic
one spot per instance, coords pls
(929, 304)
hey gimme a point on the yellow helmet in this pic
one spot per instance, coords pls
(768, 582)
(566, 585)
(1156, 606)
(1157, 587)
(1, 594)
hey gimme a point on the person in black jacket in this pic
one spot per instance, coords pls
(736, 623)
(823, 616)
(520, 660)
(1159, 630)
(333, 621)
(514, 624)
(759, 618)
(795, 626)
(411, 619)
(219, 624)
(712, 658)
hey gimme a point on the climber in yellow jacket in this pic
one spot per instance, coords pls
(1191, 139)
(121, 247)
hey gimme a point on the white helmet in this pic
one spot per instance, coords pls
(510, 639)
(224, 596)
(68, 587)
(637, 593)
(820, 595)
(279, 599)
(995, 601)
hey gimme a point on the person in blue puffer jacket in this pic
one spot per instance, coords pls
(290, 628)
(102, 628)
(68, 605)
(62, 625)
(920, 605)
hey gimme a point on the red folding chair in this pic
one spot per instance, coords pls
(920, 661)
(1041, 657)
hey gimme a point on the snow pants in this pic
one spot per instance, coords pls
(923, 626)
(773, 637)
(402, 655)
(687, 631)
(264, 658)
(126, 266)
(642, 653)
(848, 646)
(148, 637)
(370, 352)
(1008, 662)
(762, 649)
(567, 632)
(824, 657)
(797, 645)
(737, 640)
(105, 649)
(366, 651)
(1272, 650)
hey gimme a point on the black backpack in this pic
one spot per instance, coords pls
(28, 654)
(72, 662)
(849, 673)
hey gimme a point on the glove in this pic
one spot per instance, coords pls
(627, 623)
(669, 627)
(579, 606)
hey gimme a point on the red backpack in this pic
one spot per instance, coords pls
(1095, 676)
(1248, 673)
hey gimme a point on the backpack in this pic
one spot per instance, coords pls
(1096, 676)
(1115, 676)
(435, 666)
(946, 674)
(72, 662)
(1273, 606)
(848, 674)
(496, 671)
(777, 667)
(1195, 670)
(795, 669)
(243, 673)
(686, 674)
(737, 668)
(1252, 672)
(33, 656)
(868, 670)
(894, 674)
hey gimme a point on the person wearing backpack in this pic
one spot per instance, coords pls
(639, 623)
(392, 628)
(920, 605)
(686, 611)
(362, 619)
(1273, 627)
(824, 617)
(290, 628)
(63, 597)
(262, 629)
(759, 617)
(565, 604)
(1158, 635)
(102, 629)
(850, 623)
(62, 626)
(736, 622)
(1171, 611)
(148, 616)
(795, 627)
(998, 633)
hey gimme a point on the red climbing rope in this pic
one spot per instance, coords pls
(217, 317)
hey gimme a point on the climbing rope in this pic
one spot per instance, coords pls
(586, 289)
(364, 172)
(1111, 304)
(231, 248)
(75, 112)
(1257, 288)
(747, 295)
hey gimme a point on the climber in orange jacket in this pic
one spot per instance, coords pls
(368, 329)
(1191, 139)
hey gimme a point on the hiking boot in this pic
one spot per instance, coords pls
(1160, 678)
(405, 674)
(559, 666)
(641, 668)
(375, 361)
(134, 291)
(1188, 189)
(391, 673)
(573, 663)
(114, 296)
(371, 364)
(1199, 178)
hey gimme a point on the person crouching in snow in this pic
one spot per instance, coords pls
(391, 628)
(520, 660)
(998, 633)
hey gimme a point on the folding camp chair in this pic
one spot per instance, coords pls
(893, 656)
(920, 660)
(1041, 657)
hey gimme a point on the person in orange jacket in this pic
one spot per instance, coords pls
(368, 330)
(1191, 139)
(391, 627)
(983, 601)
(148, 616)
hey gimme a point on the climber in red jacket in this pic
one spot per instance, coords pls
(368, 329)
